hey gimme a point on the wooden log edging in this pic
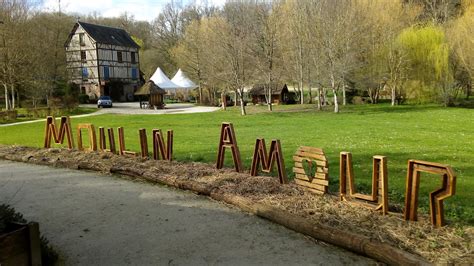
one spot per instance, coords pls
(354, 242)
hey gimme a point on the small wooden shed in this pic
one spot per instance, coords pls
(280, 94)
(151, 92)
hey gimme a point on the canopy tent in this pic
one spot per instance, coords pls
(183, 81)
(162, 81)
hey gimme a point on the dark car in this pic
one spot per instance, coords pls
(104, 101)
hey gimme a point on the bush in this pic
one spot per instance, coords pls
(83, 98)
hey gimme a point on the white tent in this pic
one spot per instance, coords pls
(160, 79)
(183, 81)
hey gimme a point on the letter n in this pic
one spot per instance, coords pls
(159, 147)
(260, 157)
(51, 131)
(228, 140)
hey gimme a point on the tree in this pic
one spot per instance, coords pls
(336, 24)
(266, 48)
(428, 53)
(14, 15)
(461, 37)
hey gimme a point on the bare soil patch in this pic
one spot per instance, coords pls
(452, 243)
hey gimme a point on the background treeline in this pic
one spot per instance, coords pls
(328, 50)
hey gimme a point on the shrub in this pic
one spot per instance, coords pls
(83, 98)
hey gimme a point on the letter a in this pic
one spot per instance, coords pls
(228, 140)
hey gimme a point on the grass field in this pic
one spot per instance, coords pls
(23, 114)
(430, 133)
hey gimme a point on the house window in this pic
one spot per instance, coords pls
(106, 73)
(134, 60)
(82, 41)
(83, 56)
(119, 57)
(85, 73)
(134, 74)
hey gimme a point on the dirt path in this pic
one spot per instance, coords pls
(133, 109)
(93, 219)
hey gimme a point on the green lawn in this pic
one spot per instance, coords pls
(23, 114)
(430, 133)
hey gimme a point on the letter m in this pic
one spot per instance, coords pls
(51, 131)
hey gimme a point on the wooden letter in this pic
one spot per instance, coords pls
(447, 190)
(379, 193)
(228, 140)
(159, 147)
(311, 169)
(102, 142)
(260, 157)
(51, 131)
(143, 143)
(122, 149)
(92, 137)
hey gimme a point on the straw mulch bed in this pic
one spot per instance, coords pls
(452, 243)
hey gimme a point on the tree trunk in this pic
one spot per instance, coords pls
(336, 104)
(323, 97)
(344, 101)
(224, 101)
(318, 91)
(242, 105)
(200, 94)
(235, 92)
(6, 96)
(269, 100)
(394, 95)
(13, 96)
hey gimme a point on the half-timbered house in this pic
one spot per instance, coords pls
(103, 61)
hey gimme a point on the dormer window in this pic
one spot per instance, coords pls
(82, 41)
(119, 57)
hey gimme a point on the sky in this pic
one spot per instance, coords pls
(140, 9)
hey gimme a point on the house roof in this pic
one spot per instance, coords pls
(106, 35)
(259, 89)
(149, 88)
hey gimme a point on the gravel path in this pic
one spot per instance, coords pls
(134, 109)
(92, 219)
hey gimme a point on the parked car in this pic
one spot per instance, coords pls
(104, 101)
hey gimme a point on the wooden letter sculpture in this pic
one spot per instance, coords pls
(379, 193)
(316, 179)
(228, 140)
(436, 197)
(51, 131)
(102, 140)
(159, 147)
(122, 149)
(143, 143)
(267, 161)
(92, 137)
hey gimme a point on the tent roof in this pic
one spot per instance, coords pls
(182, 80)
(149, 88)
(160, 79)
